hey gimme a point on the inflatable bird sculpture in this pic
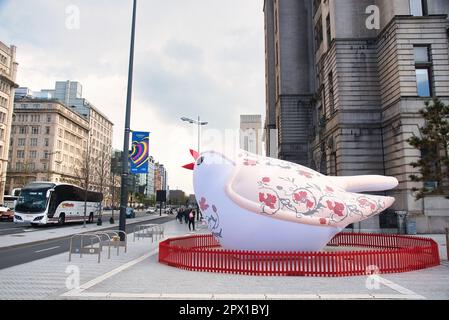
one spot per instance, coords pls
(252, 202)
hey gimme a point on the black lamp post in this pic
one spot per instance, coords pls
(125, 173)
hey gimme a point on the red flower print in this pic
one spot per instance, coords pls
(269, 200)
(248, 162)
(203, 205)
(336, 207)
(266, 180)
(323, 221)
(365, 203)
(302, 198)
(305, 174)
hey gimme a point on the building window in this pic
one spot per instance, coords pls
(34, 130)
(22, 130)
(20, 154)
(418, 8)
(46, 142)
(47, 130)
(328, 30)
(423, 71)
(33, 142)
(319, 33)
(21, 142)
(331, 93)
(33, 154)
(423, 82)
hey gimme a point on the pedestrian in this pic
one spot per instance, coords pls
(179, 216)
(192, 220)
(186, 215)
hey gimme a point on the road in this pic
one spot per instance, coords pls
(29, 252)
(8, 228)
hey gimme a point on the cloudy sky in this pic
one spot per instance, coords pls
(196, 57)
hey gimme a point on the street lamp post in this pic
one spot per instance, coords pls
(124, 180)
(199, 123)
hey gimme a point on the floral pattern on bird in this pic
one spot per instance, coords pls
(309, 199)
(292, 192)
(212, 217)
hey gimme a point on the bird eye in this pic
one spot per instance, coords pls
(200, 161)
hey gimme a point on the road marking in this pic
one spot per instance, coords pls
(9, 229)
(87, 285)
(48, 249)
(396, 287)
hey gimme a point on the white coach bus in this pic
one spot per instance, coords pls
(42, 203)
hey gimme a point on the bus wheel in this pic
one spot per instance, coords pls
(61, 219)
(91, 218)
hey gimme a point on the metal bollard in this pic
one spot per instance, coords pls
(447, 243)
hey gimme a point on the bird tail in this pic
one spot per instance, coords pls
(365, 183)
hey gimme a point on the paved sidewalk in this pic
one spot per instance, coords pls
(138, 275)
(39, 235)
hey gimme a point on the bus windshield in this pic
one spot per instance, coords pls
(33, 201)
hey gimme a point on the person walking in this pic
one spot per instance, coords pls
(192, 220)
(186, 215)
(179, 216)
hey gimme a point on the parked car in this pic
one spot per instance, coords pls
(130, 213)
(151, 210)
(6, 213)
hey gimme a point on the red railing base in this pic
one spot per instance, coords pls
(387, 254)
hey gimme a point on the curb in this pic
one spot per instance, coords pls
(69, 235)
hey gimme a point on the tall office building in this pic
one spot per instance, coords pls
(70, 94)
(251, 133)
(160, 177)
(346, 79)
(48, 143)
(8, 71)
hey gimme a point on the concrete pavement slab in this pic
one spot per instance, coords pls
(138, 275)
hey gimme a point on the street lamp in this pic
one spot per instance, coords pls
(124, 180)
(199, 123)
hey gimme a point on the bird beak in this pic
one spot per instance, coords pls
(189, 166)
(195, 156)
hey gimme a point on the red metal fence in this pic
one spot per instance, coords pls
(386, 254)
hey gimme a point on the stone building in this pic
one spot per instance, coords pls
(48, 143)
(251, 133)
(70, 94)
(8, 71)
(345, 81)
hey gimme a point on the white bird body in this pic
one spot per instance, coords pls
(257, 203)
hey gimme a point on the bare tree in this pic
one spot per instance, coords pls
(115, 192)
(102, 168)
(83, 171)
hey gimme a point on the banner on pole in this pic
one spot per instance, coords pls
(139, 154)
